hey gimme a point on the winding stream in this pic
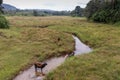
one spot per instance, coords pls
(80, 48)
(53, 63)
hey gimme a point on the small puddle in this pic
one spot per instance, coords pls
(53, 63)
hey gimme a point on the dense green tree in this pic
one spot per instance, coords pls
(90, 9)
(35, 13)
(1, 1)
(93, 6)
(103, 10)
(77, 12)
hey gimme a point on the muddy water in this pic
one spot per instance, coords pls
(53, 63)
(80, 48)
(30, 73)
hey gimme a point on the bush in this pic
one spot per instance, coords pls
(106, 16)
(100, 16)
(117, 24)
(3, 22)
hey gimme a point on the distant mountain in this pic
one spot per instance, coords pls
(12, 10)
(8, 7)
(49, 10)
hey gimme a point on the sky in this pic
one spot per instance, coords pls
(47, 4)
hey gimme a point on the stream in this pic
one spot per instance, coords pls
(53, 63)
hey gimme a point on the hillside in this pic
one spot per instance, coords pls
(12, 10)
(8, 7)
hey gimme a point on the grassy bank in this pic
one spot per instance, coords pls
(102, 64)
(20, 45)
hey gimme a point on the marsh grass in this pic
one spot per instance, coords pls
(25, 42)
(102, 64)
(21, 46)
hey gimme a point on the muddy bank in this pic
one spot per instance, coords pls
(53, 63)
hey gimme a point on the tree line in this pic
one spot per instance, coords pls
(107, 11)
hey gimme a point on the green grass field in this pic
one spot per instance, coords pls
(102, 64)
(20, 46)
(26, 42)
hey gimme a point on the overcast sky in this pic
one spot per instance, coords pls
(47, 4)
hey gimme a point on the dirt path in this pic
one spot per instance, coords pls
(53, 63)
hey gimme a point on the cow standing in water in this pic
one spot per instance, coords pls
(39, 65)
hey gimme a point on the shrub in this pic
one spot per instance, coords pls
(106, 16)
(3, 22)
(99, 16)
